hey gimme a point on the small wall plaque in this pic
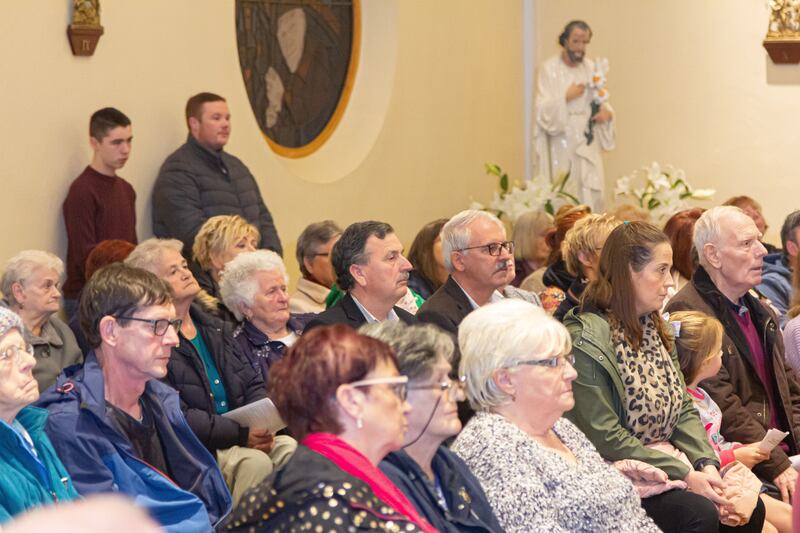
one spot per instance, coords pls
(783, 35)
(85, 30)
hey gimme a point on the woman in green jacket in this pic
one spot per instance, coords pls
(31, 473)
(630, 394)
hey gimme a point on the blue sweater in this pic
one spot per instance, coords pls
(776, 283)
(28, 480)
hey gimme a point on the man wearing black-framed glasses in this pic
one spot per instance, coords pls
(131, 435)
(480, 259)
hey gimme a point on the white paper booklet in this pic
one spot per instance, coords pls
(258, 415)
(771, 439)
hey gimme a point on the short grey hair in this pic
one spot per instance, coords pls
(499, 335)
(708, 228)
(148, 253)
(417, 347)
(238, 285)
(313, 237)
(456, 233)
(21, 267)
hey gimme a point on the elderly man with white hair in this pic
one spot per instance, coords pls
(480, 260)
(754, 389)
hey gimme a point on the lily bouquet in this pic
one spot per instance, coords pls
(514, 199)
(599, 93)
(663, 191)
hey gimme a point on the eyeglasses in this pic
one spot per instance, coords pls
(452, 389)
(552, 362)
(398, 384)
(14, 353)
(493, 247)
(160, 325)
(322, 254)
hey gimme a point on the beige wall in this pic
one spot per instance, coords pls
(455, 103)
(692, 86)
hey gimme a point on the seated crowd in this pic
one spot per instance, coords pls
(595, 373)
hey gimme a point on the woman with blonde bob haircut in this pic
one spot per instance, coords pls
(219, 240)
(537, 469)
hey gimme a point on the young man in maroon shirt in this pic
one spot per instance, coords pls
(100, 205)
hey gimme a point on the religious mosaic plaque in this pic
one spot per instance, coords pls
(298, 60)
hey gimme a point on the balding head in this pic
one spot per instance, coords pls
(728, 246)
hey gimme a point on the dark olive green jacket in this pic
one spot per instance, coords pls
(599, 407)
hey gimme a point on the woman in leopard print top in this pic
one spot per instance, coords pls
(630, 394)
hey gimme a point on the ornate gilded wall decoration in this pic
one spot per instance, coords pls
(783, 34)
(298, 60)
(85, 30)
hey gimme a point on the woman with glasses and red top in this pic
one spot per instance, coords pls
(539, 472)
(342, 397)
(435, 479)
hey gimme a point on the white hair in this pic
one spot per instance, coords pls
(708, 228)
(499, 335)
(21, 267)
(237, 284)
(456, 233)
(148, 253)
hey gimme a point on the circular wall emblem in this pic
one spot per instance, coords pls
(298, 60)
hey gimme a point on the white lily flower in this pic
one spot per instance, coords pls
(703, 194)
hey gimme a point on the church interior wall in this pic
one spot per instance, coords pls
(455, 103)
(693, 86)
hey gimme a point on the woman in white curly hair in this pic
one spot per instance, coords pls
(537, 469)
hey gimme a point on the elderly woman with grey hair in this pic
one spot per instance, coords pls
(540, 473)
(433, 478)
(31, 285)
(253, 287)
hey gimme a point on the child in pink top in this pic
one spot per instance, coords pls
(698, 338)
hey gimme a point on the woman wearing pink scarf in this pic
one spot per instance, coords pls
(343, 399)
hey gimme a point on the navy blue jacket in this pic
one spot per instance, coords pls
(261, 351)
(100, 459)
(468, 510)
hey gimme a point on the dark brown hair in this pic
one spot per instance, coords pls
(628, 247)
(303, 383)
(680, 230)
(105, 120)
(421, 253)
(118, 290)
(194, 106)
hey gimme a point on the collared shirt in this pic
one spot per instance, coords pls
(495, 297)
(371, 319)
